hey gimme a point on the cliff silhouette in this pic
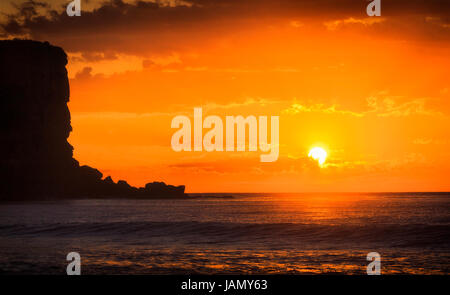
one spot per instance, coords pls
(35, 157)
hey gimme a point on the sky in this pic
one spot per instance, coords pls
(374, 92)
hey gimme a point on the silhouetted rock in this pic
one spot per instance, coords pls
(36, 159)
(108, 180)
(161, 189)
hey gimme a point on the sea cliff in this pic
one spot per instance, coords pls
(35, 157)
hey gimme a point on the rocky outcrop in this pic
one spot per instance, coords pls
(35, 158)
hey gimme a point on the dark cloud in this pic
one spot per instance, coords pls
(146, 63)
(98, 56)
(85, 73)
(94, 56)
(29, 9)
(12, 27)
(116, 25)
(251, 164)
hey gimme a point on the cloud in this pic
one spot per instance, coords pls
(85, 73)
(426, 141)
(146, 63)
(389, 107)
(382, 106)
(248, 101)
(98, 56)
(296, 108)
(161, 26)
(248, 163)
(122, 115)
(296, 24)
(105, 63)
(368, 21)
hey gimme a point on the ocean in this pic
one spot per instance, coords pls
(245, 234)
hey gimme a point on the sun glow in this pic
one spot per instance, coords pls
(319, 154)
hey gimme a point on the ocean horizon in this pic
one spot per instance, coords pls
(230, 233)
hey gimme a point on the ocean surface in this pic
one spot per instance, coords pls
(249, 233)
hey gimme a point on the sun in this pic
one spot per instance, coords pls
(319, 154)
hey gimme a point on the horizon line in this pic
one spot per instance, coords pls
(337, 192)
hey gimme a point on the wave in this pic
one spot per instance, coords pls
(411, 235)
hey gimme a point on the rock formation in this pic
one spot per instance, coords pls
(35, 158)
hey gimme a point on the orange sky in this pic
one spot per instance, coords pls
(374, 92)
